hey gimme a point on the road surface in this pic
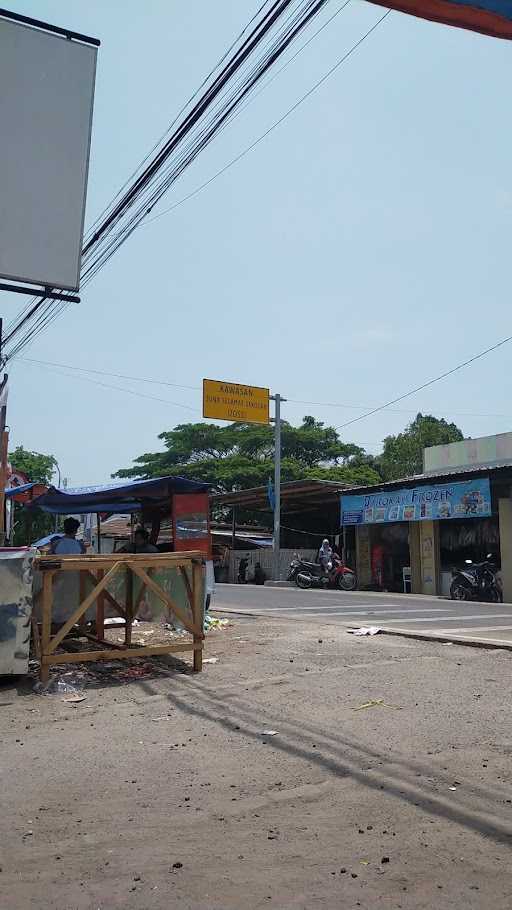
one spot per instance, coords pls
(395, 612)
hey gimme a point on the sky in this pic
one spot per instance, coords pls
(356, 252)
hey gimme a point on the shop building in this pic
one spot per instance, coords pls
(408, 535)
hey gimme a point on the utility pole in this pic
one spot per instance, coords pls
(277, 483)
(4, 441)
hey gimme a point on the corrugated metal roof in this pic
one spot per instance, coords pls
(430, 478)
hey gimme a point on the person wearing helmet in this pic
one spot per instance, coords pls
(325, 556)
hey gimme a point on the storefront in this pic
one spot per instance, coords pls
(410, 534)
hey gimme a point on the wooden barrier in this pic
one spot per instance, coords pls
(100, 570)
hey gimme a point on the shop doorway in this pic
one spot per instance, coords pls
(390, 556)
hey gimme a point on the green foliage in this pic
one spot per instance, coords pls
(239, 456)
(39, 469)
(403, 454)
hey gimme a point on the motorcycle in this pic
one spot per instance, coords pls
(313, 575)
(477, 581)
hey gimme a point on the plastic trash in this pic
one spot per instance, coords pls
(65, 684)
(214, 622)
(365, 630)
(210, 660)
(269, 732)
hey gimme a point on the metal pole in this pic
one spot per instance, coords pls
(231, 567)
(56, 525)
(277, 484)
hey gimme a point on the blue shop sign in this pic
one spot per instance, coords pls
(469, 499)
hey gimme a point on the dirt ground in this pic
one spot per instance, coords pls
(165, 792)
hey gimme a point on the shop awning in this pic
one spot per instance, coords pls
(117, 496)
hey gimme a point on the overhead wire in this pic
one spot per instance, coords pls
(425, 385)
(297, 24)
(327, 404)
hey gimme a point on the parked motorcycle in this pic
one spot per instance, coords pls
(313, 575)
(477, 581)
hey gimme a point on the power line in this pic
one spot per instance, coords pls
(271, 128)
(68, 366)
(192, 388)
(278, 23)
(425, 385)
(117, 388)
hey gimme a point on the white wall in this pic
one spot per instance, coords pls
(265, 557)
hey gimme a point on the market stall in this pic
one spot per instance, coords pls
(73, 593)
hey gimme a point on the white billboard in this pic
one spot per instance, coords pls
(46, 100)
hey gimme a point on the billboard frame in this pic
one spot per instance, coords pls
(35, 286)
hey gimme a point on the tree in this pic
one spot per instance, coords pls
(239, 456)
(39, 469)
(402, 455)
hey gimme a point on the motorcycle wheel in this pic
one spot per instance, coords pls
(494, 596)
(303, 580)
(460, 591)
(347, 581)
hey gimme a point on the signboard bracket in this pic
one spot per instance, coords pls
(44, 293)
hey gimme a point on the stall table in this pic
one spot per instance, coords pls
(100, 570)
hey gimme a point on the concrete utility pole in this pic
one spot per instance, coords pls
(277, 483)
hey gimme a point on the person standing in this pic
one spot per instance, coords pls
(68, 545)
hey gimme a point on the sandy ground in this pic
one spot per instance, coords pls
(164, 791)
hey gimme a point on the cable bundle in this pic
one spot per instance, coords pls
(272, 30)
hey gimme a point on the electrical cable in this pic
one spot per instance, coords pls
(192, 388)
(425, 385)
(101, 243)
(117, 388)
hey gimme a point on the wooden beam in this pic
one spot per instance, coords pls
(47, 621)
(143, 651)
(104, 561)
(164, 597)
(80, 610)
(197, 612)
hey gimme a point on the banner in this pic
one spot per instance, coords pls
(469, 499)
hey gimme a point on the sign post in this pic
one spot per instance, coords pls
(277, 485)
(249, 404)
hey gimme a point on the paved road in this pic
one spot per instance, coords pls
(395, 612)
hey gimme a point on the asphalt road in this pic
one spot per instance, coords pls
(415, 614)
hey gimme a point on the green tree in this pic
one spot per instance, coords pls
(238, 456)
(39, 469)
(402, 455)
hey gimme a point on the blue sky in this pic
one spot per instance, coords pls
(357, 251)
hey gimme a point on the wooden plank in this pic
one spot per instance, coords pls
(197, 612)
(46, 627)
(35, 638)
(105, 561)
(164, 597)
(129, 608)
(100, 607)
(143, 651)
(75, 616)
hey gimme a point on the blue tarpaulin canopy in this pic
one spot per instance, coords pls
(13, 491)
(118, 496)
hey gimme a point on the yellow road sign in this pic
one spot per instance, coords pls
(232, 401)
